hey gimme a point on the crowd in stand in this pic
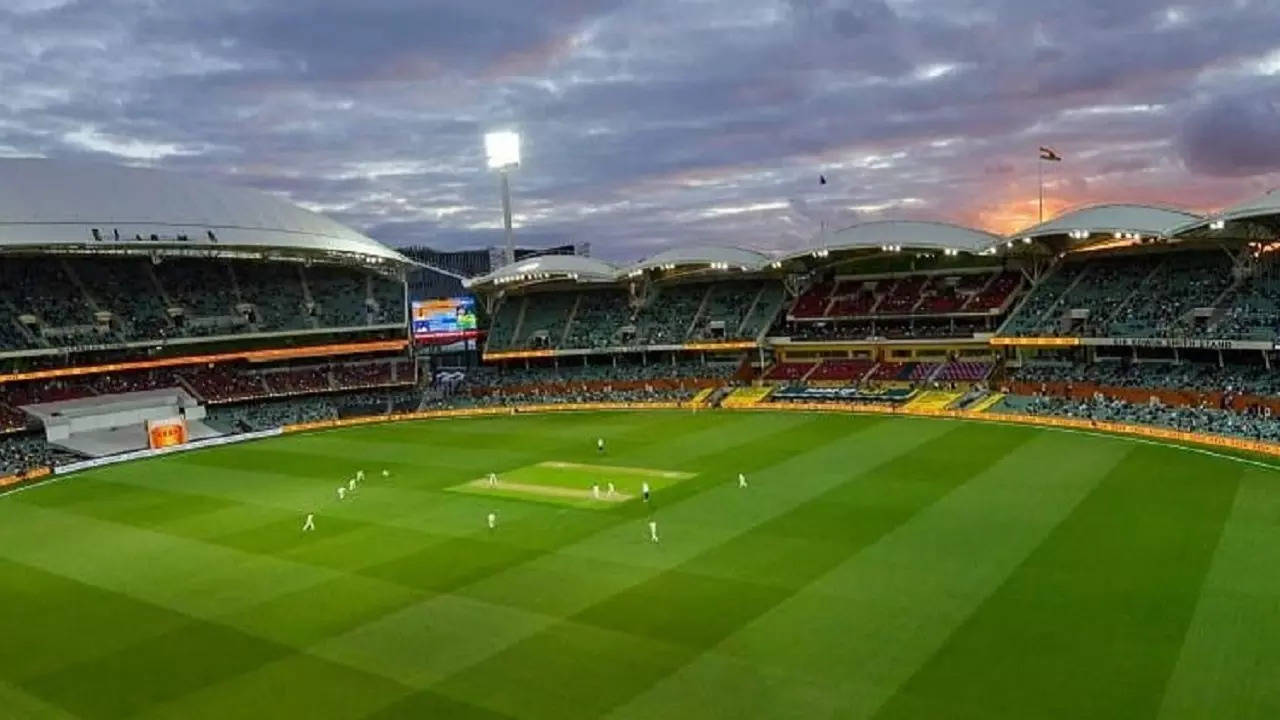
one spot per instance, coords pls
(1257, 424)
(79, 301)
(516, 376)
(671, 315)
(1204, 377)
(22, 452)
(1179, 294)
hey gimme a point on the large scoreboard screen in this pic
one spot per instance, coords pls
(444, 320)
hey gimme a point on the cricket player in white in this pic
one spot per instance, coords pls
(351, 485)
(653, 530)
(386, 474)
(493, 520)
(595, 491)
(359, 476)
(599, 444)
(742, 480)
(612, 491)
(493, 479)
(342, 493)
(310, 523)
(644, 490)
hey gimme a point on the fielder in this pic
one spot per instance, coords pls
(310, 523)
(351, 485)
(493, 480)
(493, 520)
(611, 491)
(653, 530)
(359, 476)
(386, 474)
(742, 480)
(595, 491)
(599, 445)
(644, 490)
(342, 493)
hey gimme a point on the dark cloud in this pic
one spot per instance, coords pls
(649, 123)
(1235, 135)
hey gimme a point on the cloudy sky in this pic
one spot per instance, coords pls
(651, 123)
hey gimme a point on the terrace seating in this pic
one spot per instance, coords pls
(600, 314)
(1252, 311)
(202, 288)
(761, 316)
(995, 294)
(962, 371)
(340, 297)
(545, 317)
(813, 303)
(903, 296)
(22, 452)
(11, 419)
(125, 288)
(1252, 425)
(788, 371)
(922, 371)
(1184, 282)
(665, 320)
(890, 371)
(297, 381)
(222, 384)
(276, 294)
(853, 298)
(388, 296)
(1029, 318)
(842, 370)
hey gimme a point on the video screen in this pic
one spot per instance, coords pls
(444, 319)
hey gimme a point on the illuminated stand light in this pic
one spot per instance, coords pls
(502, 152)
(1217, 224)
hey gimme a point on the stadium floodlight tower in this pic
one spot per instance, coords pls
(502, 148)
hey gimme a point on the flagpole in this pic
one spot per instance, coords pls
(1040, 182)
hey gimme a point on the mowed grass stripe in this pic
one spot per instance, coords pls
(646, 632)
(442, 635)
(436, 568)
(188, 576)
(1230, 661)
(1091, 624)
(851, 638)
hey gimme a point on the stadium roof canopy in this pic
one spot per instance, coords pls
(1102, 223)
(714, 258)
(48, 204)
(547, 269)
(1257, 218)
(900, 235)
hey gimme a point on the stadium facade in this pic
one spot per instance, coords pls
(132, 297)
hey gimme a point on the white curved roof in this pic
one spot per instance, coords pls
(46, 202)
(1118, 217)
(915, 234)
(734, 258)
(1268, 203)
(549, 267)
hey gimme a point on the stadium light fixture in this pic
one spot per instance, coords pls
(502, 151)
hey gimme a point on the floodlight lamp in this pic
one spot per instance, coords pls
(502, 149)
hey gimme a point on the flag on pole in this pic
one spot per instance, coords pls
(1047, 153)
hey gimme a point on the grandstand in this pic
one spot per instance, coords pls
(1113, 299)
(126, 294)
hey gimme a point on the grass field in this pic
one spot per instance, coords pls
(877, 567)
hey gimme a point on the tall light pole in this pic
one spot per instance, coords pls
(502, 149)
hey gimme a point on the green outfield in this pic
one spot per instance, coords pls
(876, 567)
